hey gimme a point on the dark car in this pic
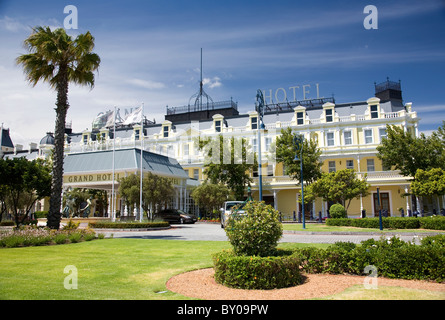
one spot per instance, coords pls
(175, 216)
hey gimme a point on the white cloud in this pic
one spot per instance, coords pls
(13, 25)
(214, 82)
(147, 84)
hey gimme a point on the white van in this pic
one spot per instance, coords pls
(226, 210)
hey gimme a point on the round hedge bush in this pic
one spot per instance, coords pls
(256, 232)
(254, 272)
(337, 211)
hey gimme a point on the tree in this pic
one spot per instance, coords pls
(54, 57)
(210, 196)
(129, 189)
(23, 183)
(429, 182)
(340, 186)
(285, 153)
(156, 190)
(228, 162)
(401, 150)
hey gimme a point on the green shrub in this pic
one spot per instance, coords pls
(7, 223)
(257, 232)
(41, 214)
(75, 237)
(60, 238)
(433, 222)
(127, 225)
(392, 257)
(254, 272)
(337, 211)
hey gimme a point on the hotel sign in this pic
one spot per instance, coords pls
(281, 94)
(103, 177)
(97, 177)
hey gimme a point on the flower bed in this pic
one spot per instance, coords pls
(33, 236)
(128, 225)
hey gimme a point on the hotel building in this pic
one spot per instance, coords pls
(346, 133)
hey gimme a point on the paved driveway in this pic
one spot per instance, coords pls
(213, 232)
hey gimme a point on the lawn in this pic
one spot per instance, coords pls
(107, 269)
(123, 269)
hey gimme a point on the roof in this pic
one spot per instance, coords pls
(125, 159)
(48, 139)
(6, 139)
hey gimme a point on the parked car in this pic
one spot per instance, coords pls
(227, 210)
(175, 216)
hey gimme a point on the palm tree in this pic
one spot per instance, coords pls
(56, 58)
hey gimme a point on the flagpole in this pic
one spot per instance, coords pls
(113, 208)
(141, 212)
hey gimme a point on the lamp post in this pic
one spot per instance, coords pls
(380, 209)
(298, 143)
(260, 125)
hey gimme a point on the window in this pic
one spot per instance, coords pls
(254, 123)
(196, 174)
(348, 137)
(270, 170)
(382, 133)
(370, 165)
(374, 112)
(328, 115)
(165, 131)
(255, 145)
(349, 164)
(330, 138)
(300, 118)
(85, 139)
(136, 134)
(186, 149)
(368, 135)
(268, 141)
(331, 166)
(218, 125)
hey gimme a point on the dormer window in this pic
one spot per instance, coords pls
(328, 109)
(373, 108)
(85, 139)
(374, 112)
(254, 123)
(165, 132)
(136, 134)
(328, 115)
(300, 118)
(218, 125)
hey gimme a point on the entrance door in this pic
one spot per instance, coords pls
(384, 203)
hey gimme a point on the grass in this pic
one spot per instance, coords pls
(129, 269)
(317, 227)
(107, 269)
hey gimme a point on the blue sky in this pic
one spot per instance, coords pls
(150, 53)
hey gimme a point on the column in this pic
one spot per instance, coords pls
(408, 198)
(109, 205)
(275, 202)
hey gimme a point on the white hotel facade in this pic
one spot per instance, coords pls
(347, 134)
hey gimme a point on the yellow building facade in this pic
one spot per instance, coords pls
(346, 133)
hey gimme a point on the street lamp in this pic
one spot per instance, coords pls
(298, 143)
(260, 125)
